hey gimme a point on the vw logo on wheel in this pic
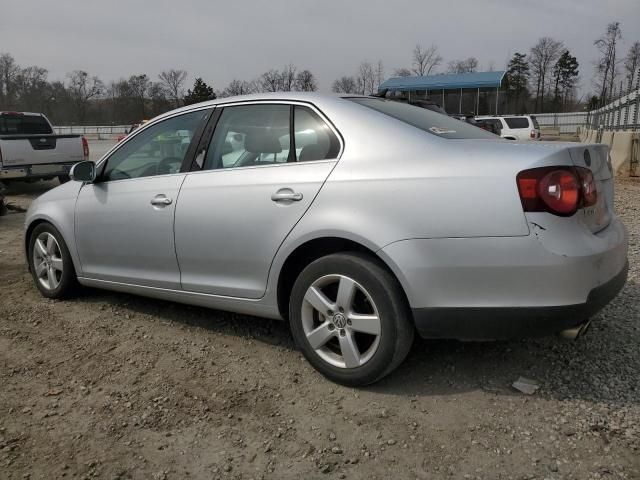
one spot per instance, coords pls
(339, 320)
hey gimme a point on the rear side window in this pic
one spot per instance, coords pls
(250, 135)
(24, 125)
(435, 123)
(535, 122)
(314, 140)
(517, 122)
(260, 134)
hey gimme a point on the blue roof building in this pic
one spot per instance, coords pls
(451, 89)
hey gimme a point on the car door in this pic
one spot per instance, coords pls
(251, 186)
(124, 220)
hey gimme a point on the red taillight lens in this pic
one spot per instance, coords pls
(557, 190)
(588, 186)
(560, 191)
(85, 148)
(533, 134)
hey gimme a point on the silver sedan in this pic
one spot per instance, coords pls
(358, 220)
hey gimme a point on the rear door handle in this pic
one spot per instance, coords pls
(161, 201)
(286, 194)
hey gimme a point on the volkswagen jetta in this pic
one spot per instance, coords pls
(358, 220)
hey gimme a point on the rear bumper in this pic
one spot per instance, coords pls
(503, 287)
(35, 171)
(499, 323)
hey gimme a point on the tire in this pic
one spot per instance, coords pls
(63, 179)
(352, 342)
(56, 255)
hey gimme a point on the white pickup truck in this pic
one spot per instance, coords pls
(29, 150)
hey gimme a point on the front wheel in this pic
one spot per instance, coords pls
(50, 262)
(350, 318)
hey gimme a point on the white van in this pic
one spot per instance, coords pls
(515, 127)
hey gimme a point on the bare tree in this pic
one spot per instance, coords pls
(543, 56)
(425, 59)
(238, 87)
(402, 72)
(632, 64)
(463, 66)
(271, 81)
(607, 68)
(31, 87)
(306, 82)
(288, 77)
(139, 87)
(9, 71)
(82, 88)
(344, 85)
(379, 74)
(172, 81)
(366, 78)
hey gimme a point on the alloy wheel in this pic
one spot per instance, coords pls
(340, 321)
(47, 261)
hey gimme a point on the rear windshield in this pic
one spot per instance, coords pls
(24, 125)
(432, 122)
(517, 122)
(535, 122)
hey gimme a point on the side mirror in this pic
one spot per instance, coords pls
(83, 172)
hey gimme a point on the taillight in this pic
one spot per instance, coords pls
(558, 190)
(85, 148)
(588, 186)
(533, 134)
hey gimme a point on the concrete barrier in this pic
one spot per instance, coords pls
(607, 138)
(620, 145)
(621, 151)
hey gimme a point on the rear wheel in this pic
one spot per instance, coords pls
(350, 318)
(50, 262)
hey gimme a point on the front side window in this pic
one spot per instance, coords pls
(158, 150)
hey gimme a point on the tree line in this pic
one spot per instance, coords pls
(545, 78)
(541, 80)
(82, 98)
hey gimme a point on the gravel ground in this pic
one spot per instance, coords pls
(115, 386)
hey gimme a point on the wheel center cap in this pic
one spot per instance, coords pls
(339, 320)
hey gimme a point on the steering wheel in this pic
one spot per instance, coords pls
(164, 166)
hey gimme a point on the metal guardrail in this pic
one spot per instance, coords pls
(563, 122)
(621, 114)
(101, 131)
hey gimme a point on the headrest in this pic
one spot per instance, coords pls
(262, 141)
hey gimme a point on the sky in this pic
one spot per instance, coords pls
(222, 40)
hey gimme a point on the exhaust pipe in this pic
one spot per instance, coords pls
(575, 332)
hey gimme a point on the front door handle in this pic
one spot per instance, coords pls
(161, 201)
(286, 195)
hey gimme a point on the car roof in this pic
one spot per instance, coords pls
(310, 97)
